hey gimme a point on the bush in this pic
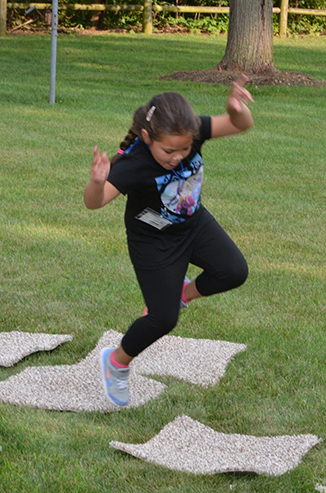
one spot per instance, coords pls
(210, 23)
(301, 24)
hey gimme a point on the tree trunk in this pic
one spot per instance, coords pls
(250, 37)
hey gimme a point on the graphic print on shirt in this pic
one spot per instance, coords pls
(181, 191)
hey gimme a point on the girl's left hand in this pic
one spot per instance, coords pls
(239, 95)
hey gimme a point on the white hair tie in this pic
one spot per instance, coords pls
(150, 113)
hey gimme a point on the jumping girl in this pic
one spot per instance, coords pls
(159, 167)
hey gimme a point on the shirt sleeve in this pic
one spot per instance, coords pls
(206, 128)
(123, 175)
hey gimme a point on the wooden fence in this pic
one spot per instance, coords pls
(147, 8)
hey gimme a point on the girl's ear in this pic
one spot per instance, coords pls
(145, 136)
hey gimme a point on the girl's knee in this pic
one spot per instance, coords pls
(238, 274)
(242, 273)
(232, 276)
(164, 322)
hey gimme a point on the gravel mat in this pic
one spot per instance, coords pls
(76, 387)
(79, 387)
(189, 446)
(198, 361)
(14, 346)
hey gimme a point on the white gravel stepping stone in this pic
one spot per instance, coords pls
(79, 387)
(189, 446)
(198, 361)
(15, 345)
(76, 387)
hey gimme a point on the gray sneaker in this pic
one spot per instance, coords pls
(115, 379)
(183, 304)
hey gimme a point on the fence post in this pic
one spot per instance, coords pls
(284, 18)
(147, 17)
(3, 17)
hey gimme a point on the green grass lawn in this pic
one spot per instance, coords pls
(65, 269)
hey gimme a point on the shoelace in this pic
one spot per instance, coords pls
(122, 384)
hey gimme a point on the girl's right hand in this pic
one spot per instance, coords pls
(239, 95)
(100, 167)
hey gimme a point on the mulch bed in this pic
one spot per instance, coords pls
(278, 78)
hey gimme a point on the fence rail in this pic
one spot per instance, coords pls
(147, 8)
(155, 8)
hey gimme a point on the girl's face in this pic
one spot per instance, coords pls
(170, 150)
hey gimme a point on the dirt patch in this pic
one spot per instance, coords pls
(278, 78)
(92, 31)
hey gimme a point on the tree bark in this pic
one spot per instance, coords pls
(250, 37)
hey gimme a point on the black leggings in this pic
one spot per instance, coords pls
(224, 268)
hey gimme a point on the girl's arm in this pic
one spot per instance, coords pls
(238, 117)
(99, 191)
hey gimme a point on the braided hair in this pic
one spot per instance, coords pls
(167, 113)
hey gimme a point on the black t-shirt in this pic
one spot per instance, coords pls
(163, 206)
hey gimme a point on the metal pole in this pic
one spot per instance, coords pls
(54, 35)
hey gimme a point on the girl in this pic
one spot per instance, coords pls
(159, 166)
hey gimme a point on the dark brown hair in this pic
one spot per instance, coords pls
(167, 113)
